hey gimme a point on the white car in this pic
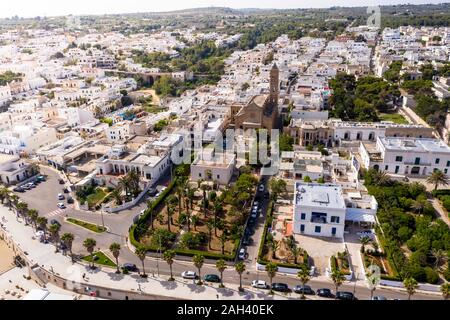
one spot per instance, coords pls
(261, 188)
(242, 254)
(189, 275)
(260, 284)
(61, 205)
(60, 196)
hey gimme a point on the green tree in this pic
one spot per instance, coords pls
(141, 253)
(54, 232)
(338, 278)
(115, 250)
(277, 187)
(221, 266)
(33, 215)
(410, 285)
(90, 244)
(198, 260)
(42, 223)
(445, 289)
(240, 269)
(365, 240)
(304, 276)
(438, 178)
(169, 256)
(67, 239)
(271, 269)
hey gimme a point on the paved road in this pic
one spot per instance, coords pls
(44, 199)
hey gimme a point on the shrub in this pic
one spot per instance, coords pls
(431, 275)
(447, 274)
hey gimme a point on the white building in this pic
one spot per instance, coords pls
(406, 156)
(319, 210)
(12, 169)
(210, 166)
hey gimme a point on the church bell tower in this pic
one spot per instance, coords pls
(274, 85)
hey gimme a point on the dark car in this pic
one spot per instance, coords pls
(281, 287)
(304, 289)
(61, 181)
(65, 190)
(212, 278)
(53, 221)
(152, 192)
(40, 178)
(325, 293)
(246, 241)
(19, 189)
(344, 295)
(130, 267)
(70, 200)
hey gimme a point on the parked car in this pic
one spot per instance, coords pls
(53, 221)
(130, 267)
(61, 205)
(242, 254)
(65, 190)
(344, 295)
(260, 284)
(61, 181)
(26, 187)
(280, 287)
(40, 178)
(261, 188)
(325, 293)
(19, 189)
(246, 240)
(61, 196)
(212, 278)
(304, 289)
(70, 200)
(189, 275)
(379, 298)
(152, 192)
(31, 185)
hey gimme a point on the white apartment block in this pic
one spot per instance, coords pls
(406, 156)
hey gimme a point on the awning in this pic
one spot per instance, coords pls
(359, 217)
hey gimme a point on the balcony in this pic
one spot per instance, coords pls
(411, 163)
(317, 217)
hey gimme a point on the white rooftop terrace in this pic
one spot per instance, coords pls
(422, 145)
(319, 195)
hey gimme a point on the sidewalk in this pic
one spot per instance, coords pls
(60, 267)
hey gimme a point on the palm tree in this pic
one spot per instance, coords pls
(191, 195)
(304, 276)
(33, 215)
(217, 209)
(364, 242)
(115, 250)
(170, 212)
(141, 253)
(180, 194)
(372, 281)
(67, 239)
(124, 184)
(42, 223)
(410, 285)
(169, 256)
(417, 206)
(381, 178)
(439, 257)
(210, 226)
(116, 194)
(151, 210)
(4, 193)
(21, 208)
(54, 231)
(338, 278)
(194, 220)
(445, 289)
(223, 240)
(275, 245)
(198, 260)
(13, 201)
(240, 268)
(438, 178)
(90, 244)
(221, 265)
(271, 269)
(204, 188)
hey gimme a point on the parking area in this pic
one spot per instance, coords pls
(320, 250)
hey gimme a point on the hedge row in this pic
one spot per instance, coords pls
(443, 192)
(269, 215)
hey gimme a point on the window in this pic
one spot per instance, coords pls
(199, 174)
(218, 176)
(318, 229)
(333, 231)
(448, 163)
(445, 171)
(397, 168)
(399, 158)
(302, 228)
(335, 219)
(386, 168)
(437, 161)
(303, 216)
(417, 161)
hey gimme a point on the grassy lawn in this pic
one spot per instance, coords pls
(96, 197)
(102, 259)
(394, 117)
(87, 225)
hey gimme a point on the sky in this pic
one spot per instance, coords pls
(33, 8)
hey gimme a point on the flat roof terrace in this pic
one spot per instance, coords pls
(319, 195)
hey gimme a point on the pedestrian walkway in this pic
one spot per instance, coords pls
(55, 213)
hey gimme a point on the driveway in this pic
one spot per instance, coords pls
(354, 246)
